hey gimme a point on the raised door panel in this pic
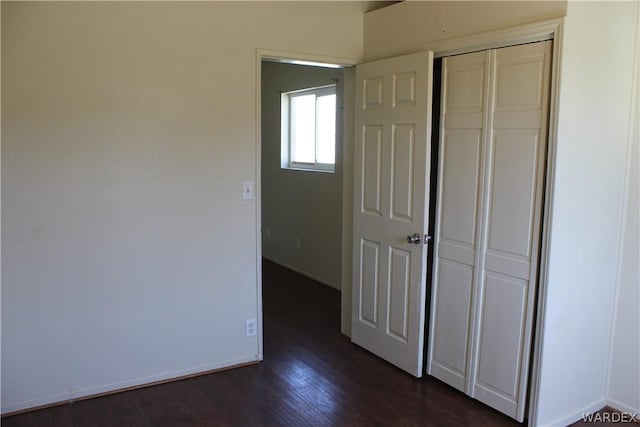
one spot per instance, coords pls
(398, 291)
(464, 100)
(371, 177)
(402, 165)
(373, 93)
(465, 83)
(520, 78)
(514, 167)
(460, 169)
(501, 340)
(369, 282)
(404, 89)
(451, 324)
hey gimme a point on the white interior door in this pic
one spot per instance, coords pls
(391, 171)
(493, 145)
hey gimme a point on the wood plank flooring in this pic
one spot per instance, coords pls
(311, 376)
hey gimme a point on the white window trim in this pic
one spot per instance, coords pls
(285, 119)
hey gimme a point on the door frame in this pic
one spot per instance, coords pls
(552, 29)
(347, 150)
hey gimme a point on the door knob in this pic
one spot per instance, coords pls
(416, 239)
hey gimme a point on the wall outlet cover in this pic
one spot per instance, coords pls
(251, 327)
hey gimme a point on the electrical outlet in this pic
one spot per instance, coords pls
(298, 243)
(268, 232)
(251, 327)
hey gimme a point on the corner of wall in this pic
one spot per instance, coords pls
(623, 389)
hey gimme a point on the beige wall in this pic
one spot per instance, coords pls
(409, 24)
(300, 204)
(128, 254)
(591, 155)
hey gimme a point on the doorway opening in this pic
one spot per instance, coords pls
(302, 107)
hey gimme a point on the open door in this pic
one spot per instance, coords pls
(391, 172)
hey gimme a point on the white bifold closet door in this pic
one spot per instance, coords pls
(489, 209)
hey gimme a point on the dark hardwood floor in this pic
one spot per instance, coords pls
(311, 376)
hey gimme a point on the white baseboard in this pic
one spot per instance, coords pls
(120, 386)
(622, 407)
(577, 415)
(304, 273)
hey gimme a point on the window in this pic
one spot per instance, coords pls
(309, 129)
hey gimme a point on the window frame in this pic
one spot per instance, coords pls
(287, 147)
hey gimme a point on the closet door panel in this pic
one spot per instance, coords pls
(459, 198)
(512, 197)
(460, 187)
(498, 360)
(452, 324)
(510, 238)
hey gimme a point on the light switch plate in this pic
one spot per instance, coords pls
(248, 188)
